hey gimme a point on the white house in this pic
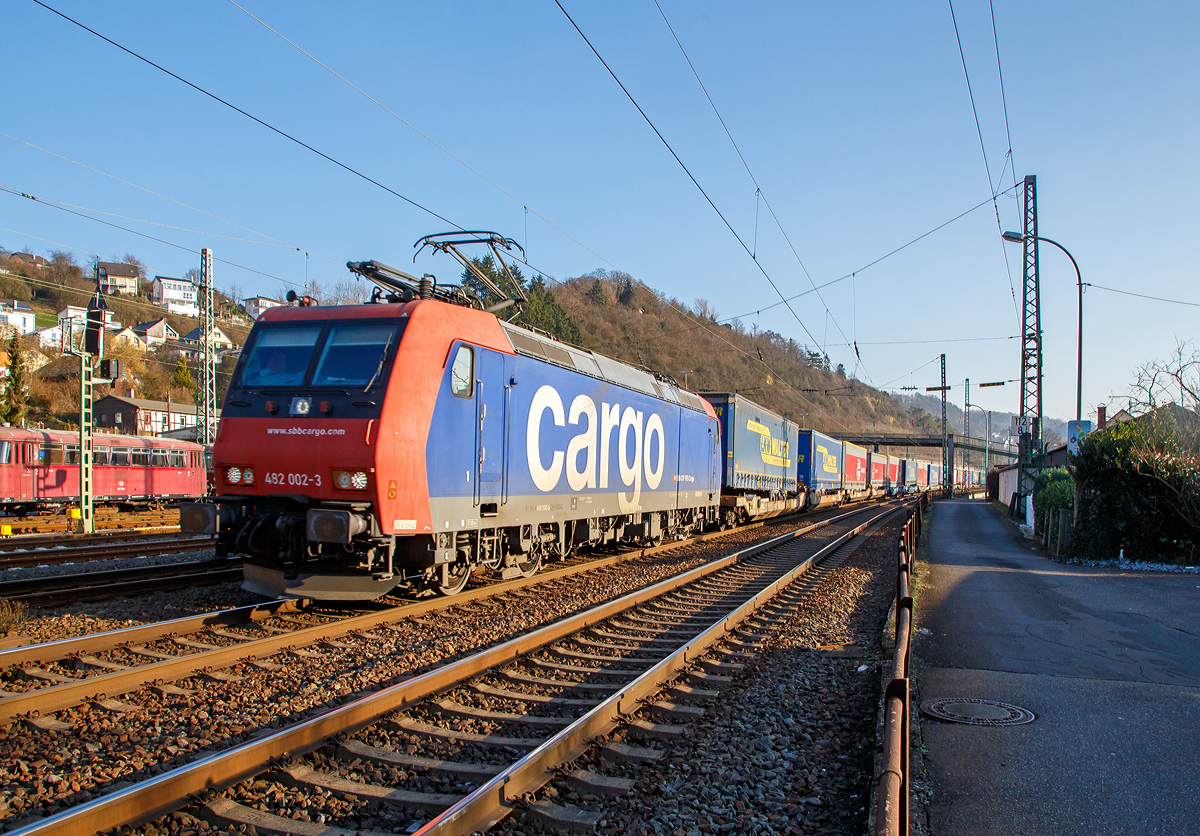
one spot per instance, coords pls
(18, 315)
(178, 296)
(156, 332)
(219, 340)
(50, 337)
(255, 305)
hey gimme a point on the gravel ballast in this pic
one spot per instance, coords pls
(789, 746)
(42, 770)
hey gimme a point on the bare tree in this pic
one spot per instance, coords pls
(193, 275)
(351, 291)
(1174, 380)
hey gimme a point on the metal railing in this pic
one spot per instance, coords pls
(891, 804)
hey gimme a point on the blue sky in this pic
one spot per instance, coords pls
(854, 118)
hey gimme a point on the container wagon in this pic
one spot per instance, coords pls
(854, 470)
(758, 459)
(877, 473)
(819, 468)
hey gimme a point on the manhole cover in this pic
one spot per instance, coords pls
(977, 712)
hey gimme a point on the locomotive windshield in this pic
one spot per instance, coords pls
(347, 354)
(352, 354)
(280, 357)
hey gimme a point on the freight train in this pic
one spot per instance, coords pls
(39, 470)
(416, 439)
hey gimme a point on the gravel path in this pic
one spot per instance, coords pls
(789, 746)
(41, 770)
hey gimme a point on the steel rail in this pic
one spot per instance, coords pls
(43, 701)
(10, 558)
(493, 801)
(168, 791)
(81, 586)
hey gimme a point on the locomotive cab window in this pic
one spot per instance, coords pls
(462, 372)
(280, 357)
(5, 452)
(354, 355)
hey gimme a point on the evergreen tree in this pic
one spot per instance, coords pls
(15, 396)
(625, 297)
(596, 294)
(183, 376)
(487, 265)
(543, 312)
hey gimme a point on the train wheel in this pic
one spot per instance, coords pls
(528, 568)
(453, 577)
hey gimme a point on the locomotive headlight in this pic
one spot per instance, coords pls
(350, 480)
(233, 475)
(248, 476)
(300, 406)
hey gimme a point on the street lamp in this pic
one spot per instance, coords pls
(1018, 238)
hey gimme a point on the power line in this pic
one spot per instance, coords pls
(1142, 295)
(419, 132)
(165, 197)
(14, 192)
(266, 125)
(758, 189)
(883, 257)
(1003, 99)
(696, 183)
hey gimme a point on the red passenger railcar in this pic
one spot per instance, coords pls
(40, 468)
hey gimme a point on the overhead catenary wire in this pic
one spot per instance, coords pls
(165, 197)
(1142, 295)
(758, 192)
(423, 135)
(253, 118)
(16, 193)
(983, 150)
(695, 182)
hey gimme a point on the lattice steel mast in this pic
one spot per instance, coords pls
(1031, 344)
(946, 463)
(206, 404)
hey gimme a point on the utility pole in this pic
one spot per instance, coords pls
(967, 422)
(1031, 345)
(206, 405)
(947, 464)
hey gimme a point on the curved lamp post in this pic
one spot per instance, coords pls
(1017, 238)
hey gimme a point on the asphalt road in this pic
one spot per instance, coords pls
(1108, 660)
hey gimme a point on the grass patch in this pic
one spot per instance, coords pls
(12, 615)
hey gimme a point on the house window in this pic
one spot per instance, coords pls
(117, 418)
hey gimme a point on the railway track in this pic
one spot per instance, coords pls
(490, 725)
(51, 590)
(40, 679)
(101, 548)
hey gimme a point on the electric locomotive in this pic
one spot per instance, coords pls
(416, 438)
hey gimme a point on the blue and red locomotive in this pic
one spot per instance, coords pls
(414, 440)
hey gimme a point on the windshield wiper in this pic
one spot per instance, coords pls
(382, 360)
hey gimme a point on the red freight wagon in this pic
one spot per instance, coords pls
(41, 468)
(878, 464)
